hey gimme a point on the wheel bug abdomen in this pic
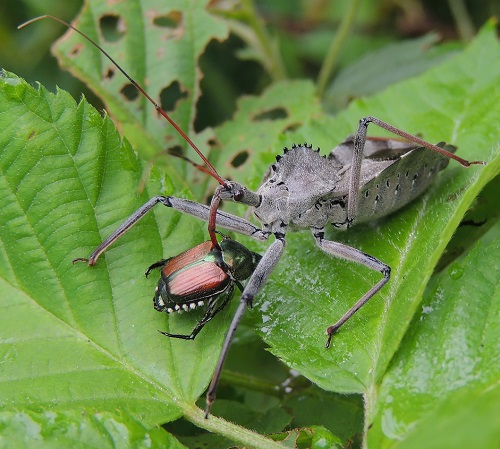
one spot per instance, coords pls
(203, 276)
(408, 171)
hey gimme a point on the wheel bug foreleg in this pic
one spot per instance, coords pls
(228, 221)
(255, 283)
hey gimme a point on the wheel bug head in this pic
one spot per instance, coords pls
(357, 182)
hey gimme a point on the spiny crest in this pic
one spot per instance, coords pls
(296, 146)
(301, 158)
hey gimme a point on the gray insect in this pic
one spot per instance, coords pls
(362, 180)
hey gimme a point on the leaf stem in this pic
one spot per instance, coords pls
(463, 22)
(260, 385)
(334, 50)
(238, 434)
(273, 58)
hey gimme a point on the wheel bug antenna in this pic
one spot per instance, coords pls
(210, 169)
(189, 161)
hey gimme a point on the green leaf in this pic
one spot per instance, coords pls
(33, 429)
(379, 69)
(456, 102)
(74, 336)
(56, 162)
(315, 437)
(444, 379)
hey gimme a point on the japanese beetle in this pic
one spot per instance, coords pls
(203, 276)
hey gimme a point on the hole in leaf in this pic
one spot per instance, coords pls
(226, 78)
(170, 20)
(176, 151)
(112, 27)
(239, 159)
(129, 92)
(75, 51)
(109, 73)
(292, 127)
(271, 114)
(170, 95)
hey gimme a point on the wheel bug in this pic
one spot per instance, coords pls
(361, 180)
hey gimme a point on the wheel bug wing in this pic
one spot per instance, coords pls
(393, 173)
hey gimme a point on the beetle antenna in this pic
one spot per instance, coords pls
(210, 169)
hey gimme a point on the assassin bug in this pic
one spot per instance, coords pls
(361, 180)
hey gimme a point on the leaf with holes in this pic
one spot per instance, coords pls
(159, 44)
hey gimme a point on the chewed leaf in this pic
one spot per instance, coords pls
(159, 50)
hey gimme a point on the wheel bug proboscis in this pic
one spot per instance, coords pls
(362, 179)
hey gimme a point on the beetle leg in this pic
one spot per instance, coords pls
(209, 314)
(225, 220)
(258, 278)
(345, 252)
(158, 264)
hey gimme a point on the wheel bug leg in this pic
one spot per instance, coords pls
(345, 252)
(266, 265)
(228, 221)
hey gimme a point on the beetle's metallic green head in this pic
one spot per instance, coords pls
(239, 259)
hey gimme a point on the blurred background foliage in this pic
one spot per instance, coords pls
(302, 32)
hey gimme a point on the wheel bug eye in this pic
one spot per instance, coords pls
(239, 195)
